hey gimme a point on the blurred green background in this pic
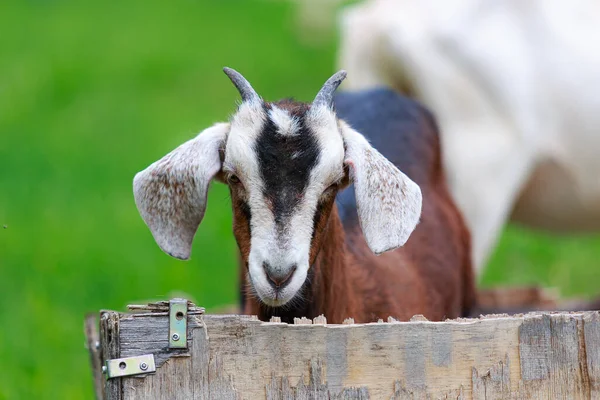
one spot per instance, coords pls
(91, 93)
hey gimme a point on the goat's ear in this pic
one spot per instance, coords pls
(171, 193)
(388, 202)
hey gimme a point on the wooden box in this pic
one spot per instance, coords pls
(531, 356)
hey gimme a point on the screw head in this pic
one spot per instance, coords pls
(175, 337)
(143, 366)
(97, 345)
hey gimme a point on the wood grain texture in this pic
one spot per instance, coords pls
(539, 355)
(92, 342)
(495, 380)
(149, 333)
(591, 342)
(280, 389)
(109, 349)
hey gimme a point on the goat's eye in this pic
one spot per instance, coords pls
(233, 179)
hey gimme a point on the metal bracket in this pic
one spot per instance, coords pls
(178, 309)
(129, 366)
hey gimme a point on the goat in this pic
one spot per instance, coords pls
(302, 252)
(513, 86)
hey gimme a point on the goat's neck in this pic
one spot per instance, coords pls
(327, 290)
(333, 294)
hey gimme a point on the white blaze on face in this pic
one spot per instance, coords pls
(285, 163)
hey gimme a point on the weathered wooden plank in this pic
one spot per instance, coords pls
(201, 350)
(591, 342)
(92, 338)
(553, 364)
(110, 348)
(163, 306)
(376, 353)
(533, 356)
(568, 378)
(149, 333)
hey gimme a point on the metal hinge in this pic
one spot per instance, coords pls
(144, 364)
(129, 366)
(178, 311)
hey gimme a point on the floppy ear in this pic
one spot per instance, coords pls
(171, 193)
(388, 202)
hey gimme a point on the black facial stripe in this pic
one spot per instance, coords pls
(285, 163)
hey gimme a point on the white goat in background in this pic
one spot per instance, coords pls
(515, 87)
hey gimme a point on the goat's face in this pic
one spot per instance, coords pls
(284, 163)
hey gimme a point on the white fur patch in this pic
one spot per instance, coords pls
(324, 124)
(286, 124)
(240, 157)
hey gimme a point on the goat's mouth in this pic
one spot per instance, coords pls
(277, 295)
(277, 301)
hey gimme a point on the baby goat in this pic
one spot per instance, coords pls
(301, 253)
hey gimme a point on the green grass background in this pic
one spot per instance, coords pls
(91, 93)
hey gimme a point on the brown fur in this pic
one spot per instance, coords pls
(430, 275)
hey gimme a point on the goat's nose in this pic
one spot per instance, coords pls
(278, 277)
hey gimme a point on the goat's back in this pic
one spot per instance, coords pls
(399, 128)
(434, 274)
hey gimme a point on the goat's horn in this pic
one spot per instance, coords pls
(242, 85)
(325, 95)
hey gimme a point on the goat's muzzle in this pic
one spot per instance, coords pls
(278, 278)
